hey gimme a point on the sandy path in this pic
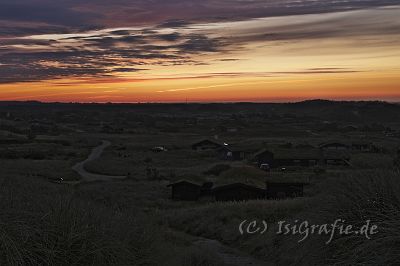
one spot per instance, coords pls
(91, 177)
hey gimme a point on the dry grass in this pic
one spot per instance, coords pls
(369, 196)
(46, 224)
(220, 220)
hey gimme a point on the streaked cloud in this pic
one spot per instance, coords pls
(77, 16)
(107, 52)
(100, 41)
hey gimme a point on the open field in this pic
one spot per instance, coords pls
(133, 221)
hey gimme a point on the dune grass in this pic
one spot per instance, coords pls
(373, 196)
(46, 224)
(220, 221)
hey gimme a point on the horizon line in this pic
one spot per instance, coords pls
(198, 102)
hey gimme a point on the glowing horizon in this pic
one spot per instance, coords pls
(350, 53)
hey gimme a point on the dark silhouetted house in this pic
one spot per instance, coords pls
(359, 146)
(232, 153)
(206, 144)
(238, 192)
(362, 146)
(184, 190)
(336, 158)
(284, 190)
(289, 157)
(334, 146)
(238, 151)
(264, 157)
(206, 192)
(207, 187)
(336, 161)
(394, 134)
(297, 157)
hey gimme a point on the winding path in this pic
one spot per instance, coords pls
(91, 177)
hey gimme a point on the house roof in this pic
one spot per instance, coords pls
(297, 154)
(336, 155)
(183, 182)
(305, 154)
(288, 183)
(207, 140)
(361, 143)
(334, 144)
(293, 153)
(347, 143)
(261, 152)
(239, 147)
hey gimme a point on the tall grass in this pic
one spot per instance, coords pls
(45, 224)
(373, 196)
(220, 220)
(64, 231)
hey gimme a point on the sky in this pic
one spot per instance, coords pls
(199, 50)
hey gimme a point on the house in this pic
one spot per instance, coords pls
(362, 146)
(264, 157)
(232, 153)
(238, 151)
(206, 144)
(336, 158)
(206, 192)
(334, 146)
(238, 192)
(359, 146)
(289, 157)
(185, 190)
(336, 162)
(276, 190)
(297, 157)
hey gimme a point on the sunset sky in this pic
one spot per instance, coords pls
(199, 50)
